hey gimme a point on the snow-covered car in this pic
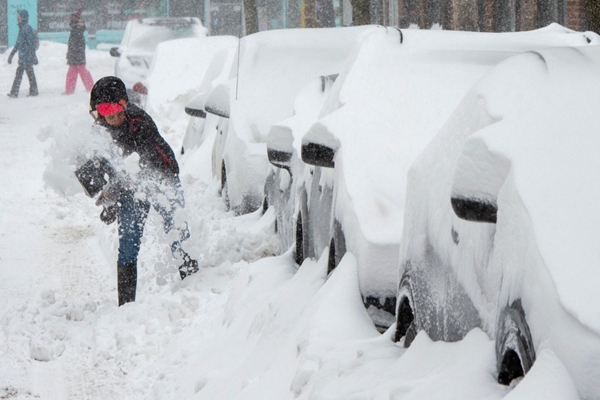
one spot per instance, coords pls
(287, 170)
(178, 70)
(269, 70)
(388, 102)
(219, 52)
(135, 54)
(502, 215)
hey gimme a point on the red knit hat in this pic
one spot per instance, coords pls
(105, 109)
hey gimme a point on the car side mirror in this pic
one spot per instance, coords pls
(319, 146)
(478, 178)
(474, 210)
(280, 146)
(195, 107)
(114, 51)
(217, 102)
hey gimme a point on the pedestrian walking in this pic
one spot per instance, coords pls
(26, 47)
(76, 55)
(128, 199)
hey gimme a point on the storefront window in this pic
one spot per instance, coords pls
(99, 15)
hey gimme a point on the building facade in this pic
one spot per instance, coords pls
(53, 16)
(492, 15)
(224, 17)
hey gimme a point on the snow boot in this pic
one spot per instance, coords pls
(189, 266)
(127, 282)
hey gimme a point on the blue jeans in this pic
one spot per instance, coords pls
(132, 215)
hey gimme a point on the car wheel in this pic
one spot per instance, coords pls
(331, 261)
(337, 247)
(224, 188)
(265, 204)
(268, 196)
(299, 253)
(515, 353)
(405, 313)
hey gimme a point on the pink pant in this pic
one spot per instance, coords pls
(86, 78)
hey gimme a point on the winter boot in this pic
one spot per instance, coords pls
(127, 282)
(189, 266)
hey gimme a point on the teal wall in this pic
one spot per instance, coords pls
(12, 7)
(92, 41)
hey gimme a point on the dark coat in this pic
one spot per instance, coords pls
(76, 46)
(139, 134)
(25, 45)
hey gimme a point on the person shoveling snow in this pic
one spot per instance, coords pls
(152, 179)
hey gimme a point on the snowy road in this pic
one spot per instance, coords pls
(245, 327)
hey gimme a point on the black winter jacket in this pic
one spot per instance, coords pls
(25, 45)
(76, 46)
(139, 134)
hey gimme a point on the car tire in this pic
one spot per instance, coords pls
(268, 195)
(515, 353)
(337, 247)
(405, 312)
(265, 205)
(299, 254)
(224, 187)
(331, 261)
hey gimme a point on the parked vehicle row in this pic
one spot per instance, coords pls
(268, 71)
(348, 170)
(447, 163)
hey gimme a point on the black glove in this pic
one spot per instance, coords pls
(109, 196)
(10, 59)
(109, 214)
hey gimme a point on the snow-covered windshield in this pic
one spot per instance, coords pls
(149, 40)
(146, 34)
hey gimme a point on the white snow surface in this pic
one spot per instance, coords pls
(246, 326)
